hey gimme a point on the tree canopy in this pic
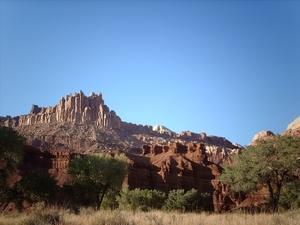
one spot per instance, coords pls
(11, 153)
(271, 163)
(96, 174)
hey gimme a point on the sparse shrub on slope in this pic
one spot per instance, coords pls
(42, 217)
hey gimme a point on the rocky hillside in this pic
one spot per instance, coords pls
(85, 124)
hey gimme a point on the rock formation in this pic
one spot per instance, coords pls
(262, 135)
(294, 125)
(162, 129)
(179, 166)
(293, 128)
(85, 124)
(173, 166)
(77, 109)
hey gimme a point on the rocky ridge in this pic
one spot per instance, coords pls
(85, 124)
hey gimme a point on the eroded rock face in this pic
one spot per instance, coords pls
(173, 166)
(179, 166)
(52, 161)
(77, 109)
(85, 125)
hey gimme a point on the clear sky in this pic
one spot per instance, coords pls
(227, 68)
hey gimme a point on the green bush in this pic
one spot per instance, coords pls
(186, 201)
(140, 199)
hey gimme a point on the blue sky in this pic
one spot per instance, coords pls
(227, 68)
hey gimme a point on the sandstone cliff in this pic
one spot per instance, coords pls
(77, 109)
(179, 166)
(163, 168)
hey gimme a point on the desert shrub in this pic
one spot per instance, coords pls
(110, 200)
(186, 201)
(51, 217)
(140, 199)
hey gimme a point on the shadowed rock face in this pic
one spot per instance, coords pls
(178, 166)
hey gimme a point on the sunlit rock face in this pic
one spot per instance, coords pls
(294, 125)
(84, 124)
(293, 128)
(262, 135)
(162, 129)
(77, 109)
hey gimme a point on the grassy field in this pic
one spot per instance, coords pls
(104, 217)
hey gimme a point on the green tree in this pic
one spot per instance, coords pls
(33, 187)
(270, 163)
(96, 174)
(290, 197)
(11, 154)
(186, 201)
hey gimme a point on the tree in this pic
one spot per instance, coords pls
(11, 154)
(270, 163)
(96, 174)
(33, 187)
(290, 197)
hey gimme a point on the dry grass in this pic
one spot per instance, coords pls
(88, 216)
